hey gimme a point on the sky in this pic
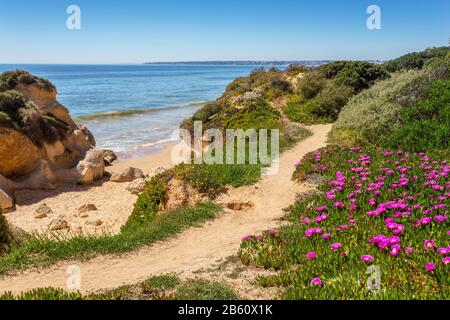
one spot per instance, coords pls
(136, 31)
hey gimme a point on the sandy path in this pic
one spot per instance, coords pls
(194, 249)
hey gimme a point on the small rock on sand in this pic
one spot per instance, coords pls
(239, 206)
(43, 211)
(137, 186)
(86, 208)
(58, 225)
(127, 175)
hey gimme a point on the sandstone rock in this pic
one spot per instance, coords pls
(86, 208)
(127, 175)
(6, 202)
(29, 161)
(18, 155)
(43, 211)
(137, 186)
(239, 206)
(92, 167)
(109, 158)
(58, 225)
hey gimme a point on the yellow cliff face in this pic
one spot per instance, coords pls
(18, 155)
(42, 146)
(45, 101)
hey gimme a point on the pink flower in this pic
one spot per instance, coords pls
(326, 236)
(395, 250)
(424, 221)
(311, 255)
(366, 258)
(306, 220)
(339, 205)
(409, 250)
(446, 261)
(443, 251)
(429, 245)
(378, 239)
(271, 233)
(430, 267)
(316, 282)
(336, 246)
(441, 219)
(320, 209)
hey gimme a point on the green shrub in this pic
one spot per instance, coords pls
(311, 84)
(6, 237)
(18, 113)
(294, 70)
(212, 179)
(426, 124)
(330, 101)
(374, 114)
(417, 60)
(9, 80)
(357, 75)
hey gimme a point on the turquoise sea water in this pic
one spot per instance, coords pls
(133, 109)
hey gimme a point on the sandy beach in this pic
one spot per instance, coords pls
(113, 201)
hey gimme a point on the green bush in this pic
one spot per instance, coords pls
(374, 114)
(357, 75)
(9, 80)
(426, 124)
(18, 113)
(294, 70)
(311, 84)
(417, 60)
(6, 237)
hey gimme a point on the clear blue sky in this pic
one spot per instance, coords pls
(135, 31)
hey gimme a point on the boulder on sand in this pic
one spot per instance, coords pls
(127, 175)
(137, 186)
(92, 167)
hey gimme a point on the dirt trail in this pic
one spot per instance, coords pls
(194, 249)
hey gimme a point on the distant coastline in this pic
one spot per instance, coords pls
(309, 63)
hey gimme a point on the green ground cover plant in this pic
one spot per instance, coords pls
(387, 208)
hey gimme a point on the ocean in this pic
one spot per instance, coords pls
(136, 109)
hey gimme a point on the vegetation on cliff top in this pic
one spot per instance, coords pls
(10, 79)
(19, 113)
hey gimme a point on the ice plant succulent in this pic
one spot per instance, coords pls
(316, 282)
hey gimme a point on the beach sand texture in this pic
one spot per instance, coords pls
(113, 201)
